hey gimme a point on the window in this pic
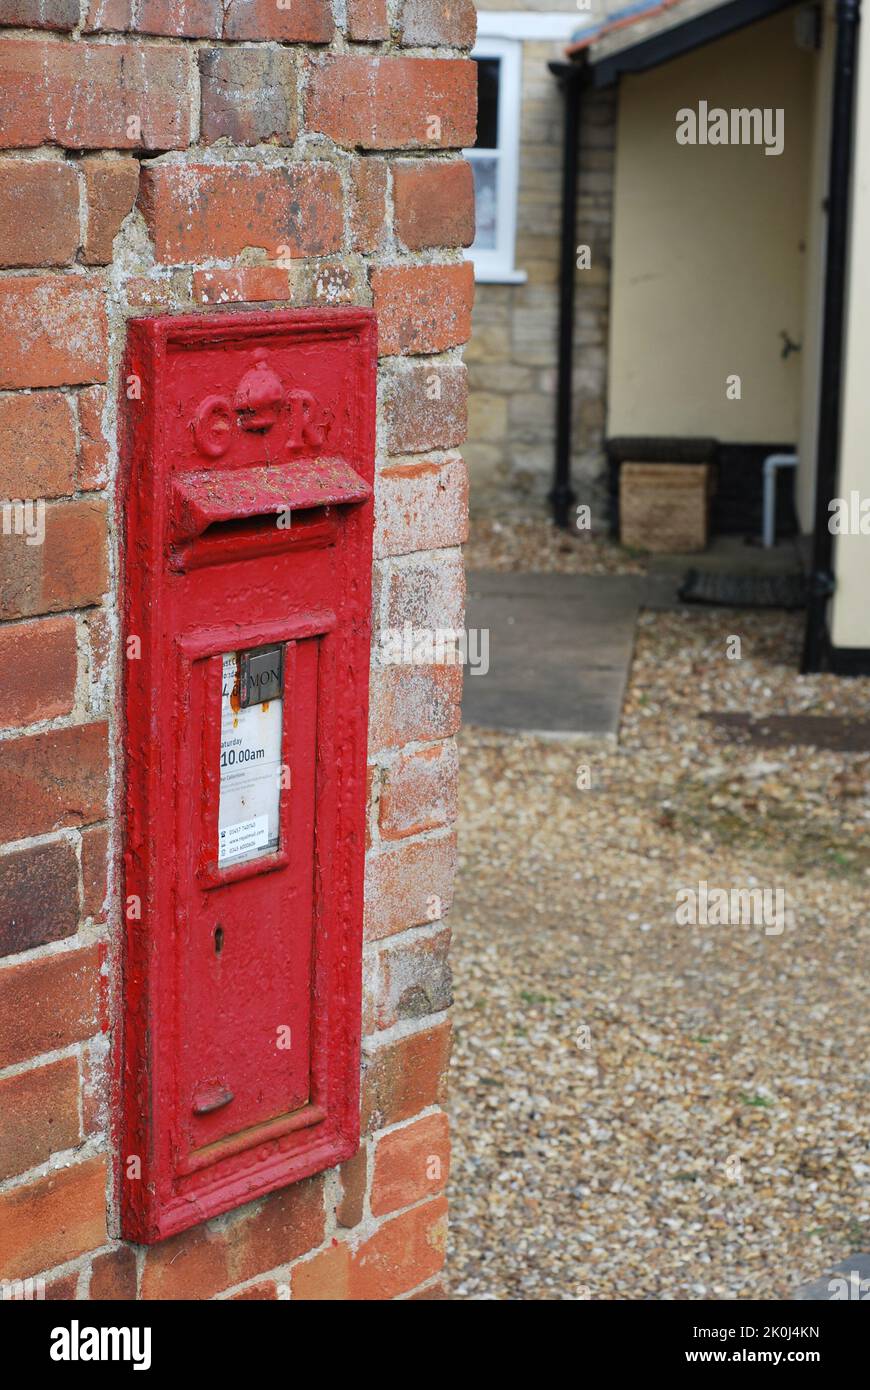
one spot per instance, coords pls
(495, 159)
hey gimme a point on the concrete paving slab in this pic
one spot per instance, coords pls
(848, 1281)
(559, 651)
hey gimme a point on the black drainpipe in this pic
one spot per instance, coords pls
(562, 495)
(822, 583)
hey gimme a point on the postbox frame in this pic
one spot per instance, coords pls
(167, 1195)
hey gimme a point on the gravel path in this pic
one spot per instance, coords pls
(643, 1109)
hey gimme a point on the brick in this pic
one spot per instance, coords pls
(186, 19)
(367, 20)
(203, 210)
(37, 446)
(113, 1275)
(40, 1110)
(111, 186)
(431, 1293)
(48, 1003)
(95, 849)
(303, 21)
(87, 95)
(52, 780)
(55, 331)
(410, 1163)
(100, 634)
(354, 1176)
(368, 206)
(423, 308)
(425, 408)
(323, 1278)
(93, 470)
(421, 506)
(248, 95)
(405, 1077)
(329, 283)
(419, 791)
(95, 1086)
(403, 1252)
(436, 23)
(63, 1288)
(285, 1226)
(68, 570)
(434, 203)
(38, 664)
(408, 886)
(427, 593)
(410, 703)
(384, 103)
(414, 978)
(250, 284)
(193, 1265)
(266, 1291)
(39, 896)
(39, 213)
(40, 14)
(53, 1220)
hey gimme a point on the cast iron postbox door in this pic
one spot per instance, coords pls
(246, 518)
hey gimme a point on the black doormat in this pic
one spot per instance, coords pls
(836, 732)
(744, 590)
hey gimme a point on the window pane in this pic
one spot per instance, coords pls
(487, 103)
(486, 201)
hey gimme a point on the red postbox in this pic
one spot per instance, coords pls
(246, 524)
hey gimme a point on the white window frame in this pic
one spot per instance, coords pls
(497, 266)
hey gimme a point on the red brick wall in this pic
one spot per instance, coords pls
(173, 155)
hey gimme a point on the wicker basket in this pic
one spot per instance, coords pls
(664, 506)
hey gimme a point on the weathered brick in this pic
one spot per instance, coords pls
(413, 703)
(39, 896)
(353, 1175)
(404, 1077)
(368, 207)
(426, 407)
(47, 1004)
(52, 1220)
(414, 977)
(286, 1225)
(323, 1278)
(435, 23)
(421, 506)
(250, 284)
(419, 791)
(408, 886)
(39, 213)
(96, 1069)
(93, 470)
(63, 1288)
(423, 308)
(304, 21)
(367, 20)
(40, 14)
(100, 634)
(192, 1265)
(434, 202)
(187, 19)
(69, 569)
(52, 780)
(427, 593)
(201, 210)
(380, 103)
(55, 331)
(113, 1275)
(38, 664)
(88, 95)
(95, 848)
(40, 1110)
(431, 1293)
(265, 1291)
(410, 1163)
(111, 186)
(37, 446)
(404, 1252)
(248, 95)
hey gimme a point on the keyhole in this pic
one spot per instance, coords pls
(218, 939)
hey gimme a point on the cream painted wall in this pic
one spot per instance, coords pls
(708, 260)
(851, 606)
